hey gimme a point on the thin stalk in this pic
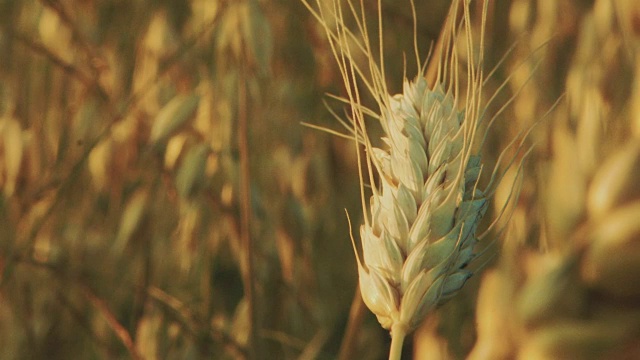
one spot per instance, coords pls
(119, 330)
(356, 315)
(398, 333)
(245, 221)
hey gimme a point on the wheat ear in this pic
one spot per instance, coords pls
(419, 234)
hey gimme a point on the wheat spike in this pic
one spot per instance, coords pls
(423, 219)
(420, 231)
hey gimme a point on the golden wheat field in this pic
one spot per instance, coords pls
(190, 179)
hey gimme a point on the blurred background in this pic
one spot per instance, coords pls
(161, 198)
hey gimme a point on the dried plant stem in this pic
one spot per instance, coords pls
(78, 37)
(356, 314)
(245, 221)
(398, 333)
(191, 323)
(119, 330)
(92, 85)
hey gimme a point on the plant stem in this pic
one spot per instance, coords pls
(245, 218)
(398, 333)
(356, 314)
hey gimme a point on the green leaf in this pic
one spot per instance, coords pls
(192, 171)
(172, 116)
(132, 217)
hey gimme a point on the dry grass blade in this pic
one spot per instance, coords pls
(120, 331)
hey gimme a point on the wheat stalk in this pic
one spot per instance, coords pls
(420, 231)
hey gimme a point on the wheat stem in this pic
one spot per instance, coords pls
(398, 333)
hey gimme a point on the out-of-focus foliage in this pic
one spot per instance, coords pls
(121, 180)
(121, 173)
(565, 287)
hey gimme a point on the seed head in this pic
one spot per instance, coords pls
(419, 230)
(425, 214)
